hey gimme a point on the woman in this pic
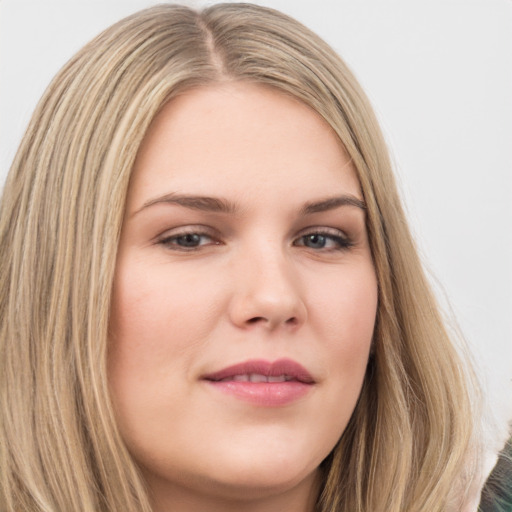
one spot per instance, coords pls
(210, 297)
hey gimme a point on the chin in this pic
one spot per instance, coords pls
(267, 478)
(268, 459)
(254, 485)
(238, 476)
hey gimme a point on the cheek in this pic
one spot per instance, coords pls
(156, 313)
(345, 315)
(155, 336)
(144, 334)
(346, 306)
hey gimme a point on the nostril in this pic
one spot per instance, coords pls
(291, 321)
(256, 319)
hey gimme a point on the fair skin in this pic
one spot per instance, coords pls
(271, 274)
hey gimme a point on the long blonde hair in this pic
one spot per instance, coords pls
(405, 448)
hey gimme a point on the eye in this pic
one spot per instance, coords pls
(187, 241)
(320, 240)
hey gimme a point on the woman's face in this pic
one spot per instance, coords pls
(244, 297)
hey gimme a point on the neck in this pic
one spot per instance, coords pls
(301, 498)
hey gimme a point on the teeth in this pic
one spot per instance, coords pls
(241, 378)
(256, 377)
(280, 378)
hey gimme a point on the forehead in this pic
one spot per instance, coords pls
(244, 140)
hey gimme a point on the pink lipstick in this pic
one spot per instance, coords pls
(262, 382)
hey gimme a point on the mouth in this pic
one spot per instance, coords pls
(282, 370)
(263, 383)
(258, 377)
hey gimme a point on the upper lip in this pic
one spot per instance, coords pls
(287, 367)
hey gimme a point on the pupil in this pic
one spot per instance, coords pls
(316, 241)
(191, 240)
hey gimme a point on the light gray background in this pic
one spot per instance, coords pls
(439, 73)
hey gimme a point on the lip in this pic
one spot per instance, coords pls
(297, 382)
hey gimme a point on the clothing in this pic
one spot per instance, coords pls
(497, 491)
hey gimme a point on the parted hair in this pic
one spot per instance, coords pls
(410, 445)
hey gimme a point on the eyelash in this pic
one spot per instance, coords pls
(168, 240)
(341, 241)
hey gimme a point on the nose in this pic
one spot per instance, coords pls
(267, 293)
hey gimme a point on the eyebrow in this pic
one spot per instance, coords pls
(202, 203)
(220, 205)
(331, 203)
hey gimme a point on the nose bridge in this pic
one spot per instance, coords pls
(267, 290)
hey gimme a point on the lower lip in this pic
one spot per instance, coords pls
(265, 394)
